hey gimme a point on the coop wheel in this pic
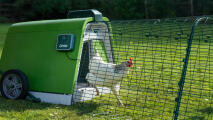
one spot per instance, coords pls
(14, 84)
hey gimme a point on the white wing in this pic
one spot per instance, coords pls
(102, 69)
(98, 81)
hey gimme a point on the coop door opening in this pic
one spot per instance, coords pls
(96, 39)
(84, 64)
(88, 51)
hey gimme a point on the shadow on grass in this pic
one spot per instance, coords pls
(208, 110)
(84, 108)
(7, 105)
(20, 105)
(197, 118)
(205, 112)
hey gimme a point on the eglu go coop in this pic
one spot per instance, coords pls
(135, 69)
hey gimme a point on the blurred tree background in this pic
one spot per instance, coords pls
(25, 10)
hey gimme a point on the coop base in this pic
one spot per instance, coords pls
(82, 93)
(53, 98)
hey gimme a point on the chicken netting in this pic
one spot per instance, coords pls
(140, 73)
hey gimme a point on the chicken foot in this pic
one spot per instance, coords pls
(96, 89)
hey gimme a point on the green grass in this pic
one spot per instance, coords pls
(150, 89)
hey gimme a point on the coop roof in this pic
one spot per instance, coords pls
(51, 25)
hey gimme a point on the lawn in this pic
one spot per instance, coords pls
(150, 89)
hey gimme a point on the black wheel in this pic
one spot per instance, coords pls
(14, 84)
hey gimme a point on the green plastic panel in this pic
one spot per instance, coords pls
(31, 48)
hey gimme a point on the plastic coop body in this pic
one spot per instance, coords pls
(49, 54)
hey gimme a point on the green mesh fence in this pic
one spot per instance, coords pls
(151, 89)
(197, 95)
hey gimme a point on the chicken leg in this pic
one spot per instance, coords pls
(115, 89)
(96, 89)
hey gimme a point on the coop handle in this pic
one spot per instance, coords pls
(85, 13)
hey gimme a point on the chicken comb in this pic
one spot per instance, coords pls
(130, 59)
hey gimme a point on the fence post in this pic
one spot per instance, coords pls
(183, 75)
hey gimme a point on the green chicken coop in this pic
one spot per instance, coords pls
(44, 58)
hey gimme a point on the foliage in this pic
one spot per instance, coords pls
(114, 9)
(3, 19)
(42, 9)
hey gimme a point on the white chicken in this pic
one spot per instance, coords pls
(107, 74)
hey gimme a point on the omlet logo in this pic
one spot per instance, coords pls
(65, 42)
(63, 45)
